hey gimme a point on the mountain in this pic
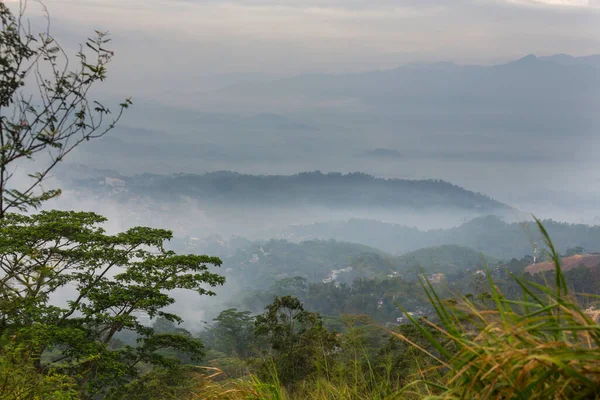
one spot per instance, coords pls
(333, 190)
(530, 84)
(567, 60)
(489, 235)
(460, 123)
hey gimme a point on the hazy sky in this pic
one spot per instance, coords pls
(199, 38)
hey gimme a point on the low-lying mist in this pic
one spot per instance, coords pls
(261, 244)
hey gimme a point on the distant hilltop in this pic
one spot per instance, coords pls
(559, 82)
(332, 190)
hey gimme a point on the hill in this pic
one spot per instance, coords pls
(332, 190)
(447, 259)
(257, 265)
(263, 263)
(565, 83)
(568, 60)
(488, 234)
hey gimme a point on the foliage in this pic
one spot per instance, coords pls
(401, 359)
(213, 387)
(66, 287)
(449, 259)
(233, 332)
(161, 384)
(300, 344)
(21, 380)
(516, 338)
(373, 297)
(114, 279)
(56, 117)
(72, 297)
(262, 264)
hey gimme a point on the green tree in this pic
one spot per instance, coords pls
(116, 279)
(20, 379)
(233, 332)
(299, 342)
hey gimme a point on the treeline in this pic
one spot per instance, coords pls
(378, 296)
(257, 265)
(334, 190)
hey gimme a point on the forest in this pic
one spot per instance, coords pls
(90, 312)
(333, 190)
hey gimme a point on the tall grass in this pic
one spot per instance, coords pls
(340, 382)
(213, 384)
(541, 347)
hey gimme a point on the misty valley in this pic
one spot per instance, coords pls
(299, 200)
(326, 232)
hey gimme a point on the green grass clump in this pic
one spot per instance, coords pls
(217, 386)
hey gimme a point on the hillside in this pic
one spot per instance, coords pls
(567, 263)
(447, 259)
(257, 265)
(332, 190)
(262, 264)
(516, 86)
(490, 235)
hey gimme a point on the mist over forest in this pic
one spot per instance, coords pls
(299, 200)
(399, 160)
(498, 130)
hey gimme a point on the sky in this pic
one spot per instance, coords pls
(210, 38)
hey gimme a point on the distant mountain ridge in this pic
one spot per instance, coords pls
(334, 190)
(417, 120)
(561, 81)
(592, 60)
(489, 234)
